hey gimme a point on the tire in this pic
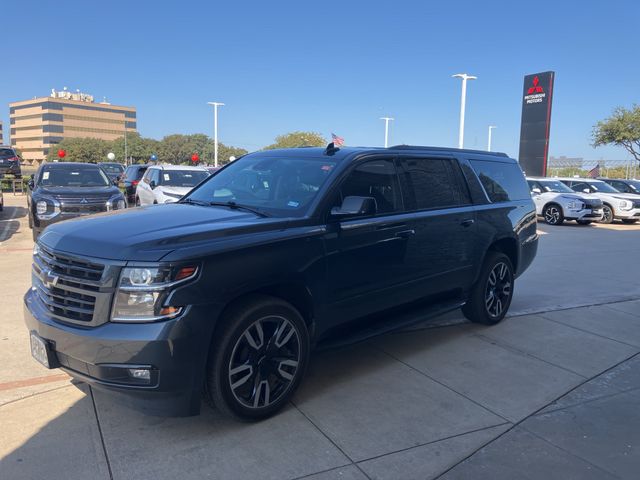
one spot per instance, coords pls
(479, 309)
(137, 202)
(583, 222)
(246, 366)
(552, 214)
(630, 221)
(35, 233)
(607, 214)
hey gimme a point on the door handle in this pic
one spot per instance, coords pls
(468, 222)
(405, 233)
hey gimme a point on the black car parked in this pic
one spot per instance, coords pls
(129, 181)
(9, 162)
(60, 191)
(275, 254)
(623, 185)
(113, 169)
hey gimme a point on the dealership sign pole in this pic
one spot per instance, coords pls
(537, 97)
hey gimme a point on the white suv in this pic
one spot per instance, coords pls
(617, 205)
(556, 202)
(168, 183)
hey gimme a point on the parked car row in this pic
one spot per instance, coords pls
(586, 200)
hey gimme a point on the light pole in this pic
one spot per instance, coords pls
(215, 130)
(491, 127)
(463, 101)
(386, 130)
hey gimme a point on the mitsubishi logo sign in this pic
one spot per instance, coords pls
(536, 86)
(84, 200)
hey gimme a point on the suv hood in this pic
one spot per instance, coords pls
(579, 196)
(150, 233)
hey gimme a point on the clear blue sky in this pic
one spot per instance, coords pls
(332, 66)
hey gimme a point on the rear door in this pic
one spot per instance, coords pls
(441, 254)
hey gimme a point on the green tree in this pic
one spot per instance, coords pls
(81, 150)
(622, 128)
(139, 148)
(298, 139)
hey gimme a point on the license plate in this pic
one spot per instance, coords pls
(39, 350)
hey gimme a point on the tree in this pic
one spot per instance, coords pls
(622, 128)
(139, 149)
(81, 150)
(298, 139)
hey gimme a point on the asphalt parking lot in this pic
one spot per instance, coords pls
(551, 392)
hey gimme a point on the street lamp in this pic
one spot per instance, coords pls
(386, 130)
(463, 101)
(491, 127)
(215, 130)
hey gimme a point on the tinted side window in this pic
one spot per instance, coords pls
(623, 187)
(580, 187)
(377, 179)
(503, 182)
(147, 176)
(155, 176)
(428, 183)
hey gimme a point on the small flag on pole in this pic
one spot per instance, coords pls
(594, 172)
(337, 141)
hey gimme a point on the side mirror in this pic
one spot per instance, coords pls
(32, 182)
(586, 190)
(152, 184)
(355, 206)
(536, 191)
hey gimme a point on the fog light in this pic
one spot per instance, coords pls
(141, 374)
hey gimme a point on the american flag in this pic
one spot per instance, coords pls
(337, 141)
(594, 172)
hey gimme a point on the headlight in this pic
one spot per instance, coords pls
(575, 205)
(116, 203)
(47, 209)
(143, 291)
(624, 205)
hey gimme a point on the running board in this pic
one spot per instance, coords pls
(389, 323)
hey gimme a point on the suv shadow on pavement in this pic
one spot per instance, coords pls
(10, 221)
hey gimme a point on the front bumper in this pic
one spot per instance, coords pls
(594, 215)
(175, 351)
(632, 214)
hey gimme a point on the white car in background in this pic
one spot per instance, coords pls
(556, 202)
(168, 183)
(616, 205)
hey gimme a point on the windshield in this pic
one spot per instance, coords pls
(183, 178)
(279, 186)
(114, 168)
(73, 176)
(555, 186)
(7, 152)
(602, 187)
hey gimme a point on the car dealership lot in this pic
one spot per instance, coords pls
(407, 405)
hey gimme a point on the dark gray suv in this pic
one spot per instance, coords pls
(276, 254)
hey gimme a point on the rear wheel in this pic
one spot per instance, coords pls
(553, 214)
(257, 359)
(607, 214)
(490, 297)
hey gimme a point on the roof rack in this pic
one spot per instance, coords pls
(446, 149)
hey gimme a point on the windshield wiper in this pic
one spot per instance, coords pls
(193, 202)
(235, 206)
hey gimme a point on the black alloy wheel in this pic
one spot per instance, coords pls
(553, 214)
(491, 295)
(257, 358)
(607, 214)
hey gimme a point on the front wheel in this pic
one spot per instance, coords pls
(257, 358)
(553, 214)
(490, 297)
(607, 214)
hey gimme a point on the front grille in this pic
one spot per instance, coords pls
(73, 289)
(64, 208)
(593, 204)
(80, 200)
(636, 204)
(79, 205)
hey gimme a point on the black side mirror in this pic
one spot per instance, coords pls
(355, 206)
(152, 184)
(32, 182)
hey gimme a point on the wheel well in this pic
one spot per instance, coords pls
(551, 203)
(294, 293)
(610, 206)
(509, 247)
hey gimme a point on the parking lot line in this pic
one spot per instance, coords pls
(29, 382)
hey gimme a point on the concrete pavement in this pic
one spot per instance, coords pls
(550, 392)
